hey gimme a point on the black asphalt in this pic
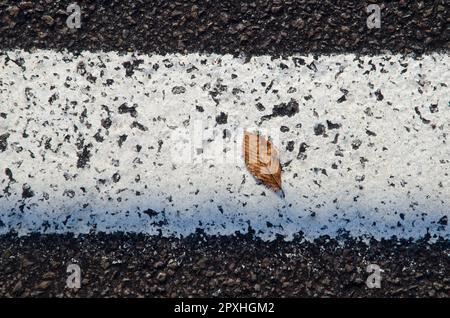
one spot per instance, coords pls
(275, 27)
(208, 266)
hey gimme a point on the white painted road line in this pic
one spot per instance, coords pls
(152, 144)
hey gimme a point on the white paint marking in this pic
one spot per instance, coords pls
(387, 173)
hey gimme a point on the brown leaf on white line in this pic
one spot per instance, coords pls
(261, 159)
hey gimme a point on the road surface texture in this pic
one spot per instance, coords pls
(133, 123)
(220, 266)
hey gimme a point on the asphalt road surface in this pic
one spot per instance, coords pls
(132, 123)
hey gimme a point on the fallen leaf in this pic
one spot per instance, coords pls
(261, 159)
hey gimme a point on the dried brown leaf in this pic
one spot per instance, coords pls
(261, 159)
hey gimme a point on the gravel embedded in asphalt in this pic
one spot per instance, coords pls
(228, 266)
(266, 27)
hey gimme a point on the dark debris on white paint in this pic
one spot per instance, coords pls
(101, 141)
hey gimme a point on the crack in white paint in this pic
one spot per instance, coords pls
(367, 152)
